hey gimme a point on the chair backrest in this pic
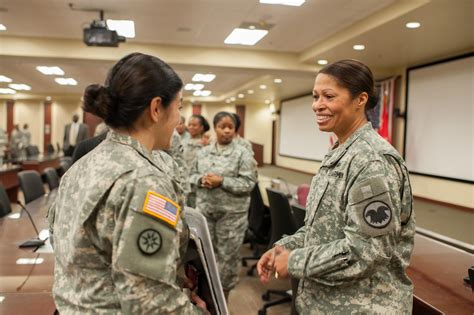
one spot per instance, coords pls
(299, 214)
(5, 207)
(31, 185)
(51, 177)
(280, 212)
(32, 150)
(259, 217)
(50, 148)
(302, 192)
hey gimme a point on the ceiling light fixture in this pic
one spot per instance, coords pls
(193, 87)
(5, 79)
(413, 24)
(358, 47)
(294, 3)
(202, 93)
(200, 77)
(7, 91)
(322, 62)
(50, 70)
(122, 27)
(232, 99)
(228, 101)
(267, 102)
(245, 36)
(278, 80)
(263, 86)
(240, 95)
(3, 27)
(250, 91)
(19, 87)
(65, 81)
(29, 261)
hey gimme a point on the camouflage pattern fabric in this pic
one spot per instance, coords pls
(190, 149)
(225, 207)
(114, 252)
(244, 142)
(359, 231)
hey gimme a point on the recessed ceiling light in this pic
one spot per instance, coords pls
(200, 77)
(50, 70)
(5, 79)
(250, 91)
(48, 98)
(244, 36)
(267, 101)
(263, 86)
(228, 101)
(7, 91)
(272, 107)
(240, 95)
(202, 93)
(413, 25)
(232, 99)
(122, 27)
(3, 27)
(278, 80)
(192, 86)
(322, 62)
(65, 81)
(19, 87)
(358, 47)
(295, 3)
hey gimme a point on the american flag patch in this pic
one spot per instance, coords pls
(162, 208)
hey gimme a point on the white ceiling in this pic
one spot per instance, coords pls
(447, 29)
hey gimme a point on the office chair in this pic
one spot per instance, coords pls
(5, 207)
(32, 150)
(282, 224)
(31, 185)
(299, 212)
(51, 177)
(65, 163)
(258, 231)
(50, 149)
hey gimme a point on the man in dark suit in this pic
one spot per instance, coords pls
(74, 133)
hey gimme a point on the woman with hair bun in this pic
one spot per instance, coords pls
(351, 255)
(117, 226)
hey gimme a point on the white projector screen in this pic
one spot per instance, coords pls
(440, 115)
(299, 134)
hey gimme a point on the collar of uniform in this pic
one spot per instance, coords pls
(336, 154)
(134, 143)
(227, 151)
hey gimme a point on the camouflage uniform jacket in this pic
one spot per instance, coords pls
(359, 231)
(245, 143)
(113, 254)
(238, 169)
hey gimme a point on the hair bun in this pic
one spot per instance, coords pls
(97, 100)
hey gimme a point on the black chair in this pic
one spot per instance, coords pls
(51, 177)
(299, 212)
(258, 231)
(50, 149)
(32, 150)
(31, 185)
(282, 224)
(5, 207)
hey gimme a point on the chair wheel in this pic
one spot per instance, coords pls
(266, 296)
(262, 312)
(244, 263)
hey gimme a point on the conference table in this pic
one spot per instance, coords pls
(39, 163)
(26, 277)
(9, 180)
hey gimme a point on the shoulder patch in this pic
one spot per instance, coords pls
(377, 214)
(149, 241)
(162, 208)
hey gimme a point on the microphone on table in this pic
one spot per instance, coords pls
(36, 242)
(288, 192)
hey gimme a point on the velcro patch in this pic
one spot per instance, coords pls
(377, 214)
(162, 208)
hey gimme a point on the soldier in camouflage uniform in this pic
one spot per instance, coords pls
(117, 225)
(197, 126)
(224, 174)
(351, 255)
(174, 159)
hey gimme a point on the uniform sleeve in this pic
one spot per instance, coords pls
(145, 253)
(246, 178)
(372, 223)
(293, 241)
(194, 175)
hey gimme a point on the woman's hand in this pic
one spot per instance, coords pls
(211, 180)
(265, 266)
(199, 303)
(281, 262)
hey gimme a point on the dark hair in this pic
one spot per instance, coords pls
(354, 76)
(130, 86)
(238, 123)
(202, 121)
(218, 117)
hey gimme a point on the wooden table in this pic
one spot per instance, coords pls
(9, 180)
(40, 163)
(26, 289)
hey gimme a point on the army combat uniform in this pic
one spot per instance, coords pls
(359, 231)
(225, 207)
(118, 234)
(190, 149)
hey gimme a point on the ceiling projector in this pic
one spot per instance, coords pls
(98, 34)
